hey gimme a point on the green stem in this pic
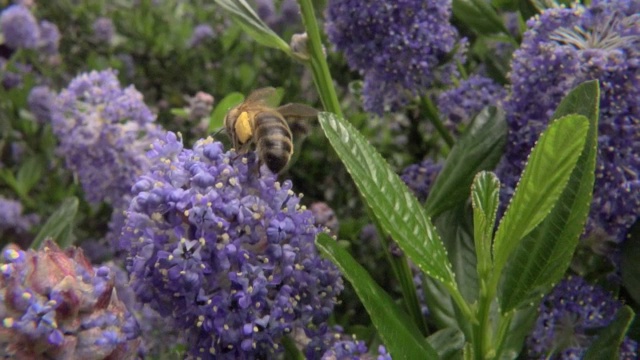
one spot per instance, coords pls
(432, 114)
(483, 331)
(318, 62)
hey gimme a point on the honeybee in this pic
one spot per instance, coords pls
(256, 122)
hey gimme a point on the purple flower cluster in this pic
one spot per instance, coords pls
(41, 103)
(568, 319)
(325, 217)
(103, 132)
(562, 48)
(201, 34)
(55, 305)
(420, 177)
(21, 30)
(11, 217)
(228, 253)
(278, 19)
(159, 335)
(337, 345)
(401, 47)
(104, 30)
(461, 104)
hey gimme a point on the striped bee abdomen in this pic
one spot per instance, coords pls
(273, 140)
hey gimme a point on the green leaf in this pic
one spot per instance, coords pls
(485, 198)
(181, 112)
(545, 176)
(448, 342)
(7, 176)
(400, 335)
(519, 328)
(243, 14)
(629, 268)
(607, 344)
(57, 224)
(479, 15)
(391, 202)
(291, 351)
(455, 227)
(480, 148)
(30, 173)
(544, 254)
(218, 114)
(439, 303)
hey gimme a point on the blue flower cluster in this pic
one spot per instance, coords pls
(562, 48)
(460, 104)
(420, 177)
(401, 47)
(568, 321)
(228, 253)
(55, 305)
(21, 30)
(104, 132)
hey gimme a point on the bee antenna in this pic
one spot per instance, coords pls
(221, 129)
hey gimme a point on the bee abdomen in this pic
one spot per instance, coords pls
(273, 141)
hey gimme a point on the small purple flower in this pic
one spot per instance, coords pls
(569, 317)
(200, 106)
(104, 30)
(420, 177)
(562, 48)
(49, 38)
(12, 74)
(104, 131)
(325, 216)
(19, 27)
(11, 217)
(41, 103)
(461, 104)
(228, 253)
(54, 304)
(401, 48)
(201, 34)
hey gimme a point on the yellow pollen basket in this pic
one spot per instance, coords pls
(243, 127)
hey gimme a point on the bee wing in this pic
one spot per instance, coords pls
(294, 114)
(297, 111)
(263, 96)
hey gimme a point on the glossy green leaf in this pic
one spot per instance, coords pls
(400, 335)
(391, 202)
(217, 116)
(545, 176)
(448, 342)
(480, 148)
(58, 223)
(244, 15)
(544, 254)
(485, 198)
(30, 173)
(607, 343)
